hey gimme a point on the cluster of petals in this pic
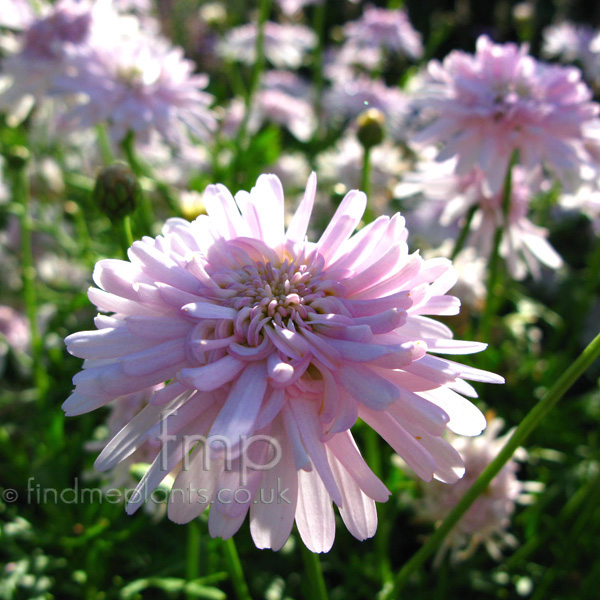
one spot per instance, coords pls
(571, 42)
(384, 28)
(45, 45)
(488, 519)
(141, 85)
(524, 245)
(107, 69)
(342, 165)
(285, 45)
(285, 98)
(14, 333)
(567, 41)
(487, 105)
(350, 96)
(261, 334)
(122, 411)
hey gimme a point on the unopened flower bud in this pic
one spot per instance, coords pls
(370, 127)
(17, 157)
(117, 191)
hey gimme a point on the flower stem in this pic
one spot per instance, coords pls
(381, 540)
(20, 187)
(365, 183)
(241, 142)
(104, 144)
(491, 302)
(314, 574)
(319, 29)
(525, 428)
(126, 235)
(192, 560)
(235, 570)
(464, 233)
(139, 170)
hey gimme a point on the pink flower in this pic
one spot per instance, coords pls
(499, 100)
(285, 46)
(142, 85)
(568, 41)
(262, 335)
(349, 97)
(14, 329)
(45, 48)
(487, 521)
(383, 28)
(285, 98)
(524, 245)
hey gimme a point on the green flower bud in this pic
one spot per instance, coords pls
(17, 157)
(370, 127)
(117, 191)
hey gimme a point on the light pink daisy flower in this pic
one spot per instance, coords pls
(524, 245)
(501, 99)
(271, 347)
(488, 519)
(44, 48)
(285, 98)
(348, 98)
(286, 46)
(567, 41)
(14, 329)
(141, 85)
(343, 163)
(384, 28)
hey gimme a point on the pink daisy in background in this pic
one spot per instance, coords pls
(44, 49)
(488, 519)
(286, 46)
(142, 85)
(487, 105)
(524, 245)
(271, 347)
(384, 29)
(285, 98)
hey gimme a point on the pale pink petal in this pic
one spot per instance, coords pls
(314, 513)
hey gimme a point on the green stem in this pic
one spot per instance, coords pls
(140, 170)
(192, 558)
(318, 81)
(365, 175)
(314, 574)
(235, 570)
(241, 143)
(105, 145)
(20, 188)
(574, 329)
(365, 183)
(491, 301)
(381, 541)
(462, 238)
(521, 433)
(128, 146)
(125, 234)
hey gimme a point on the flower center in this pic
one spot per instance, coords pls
(280, 294)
